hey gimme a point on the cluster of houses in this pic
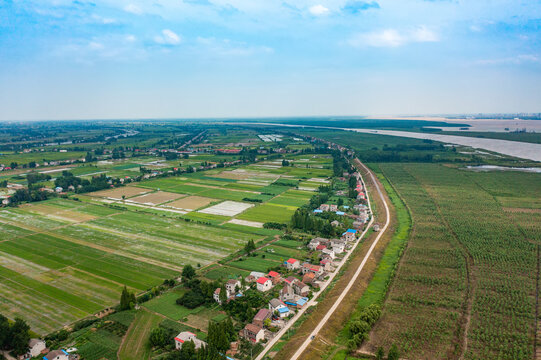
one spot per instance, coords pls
(358, 220)
(294, 293)
(38, 347)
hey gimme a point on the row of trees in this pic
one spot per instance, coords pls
(82, 185)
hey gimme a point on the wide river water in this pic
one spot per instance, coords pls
(523, 150)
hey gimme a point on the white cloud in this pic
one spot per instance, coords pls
(393, 38)
(422, 34)
(168, 37)
(134, 9)
(318, 10)
(130, 38)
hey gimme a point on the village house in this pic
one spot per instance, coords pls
(232, 286)
(290, 279)
(274, 277)
(277, 306)
(350, 235)
(264, 284)
(216, 295)
(335, 223)
(301, 302)
(326, 264)
(307, 267)
(309, 278)
(257, 274)
(188, 336)
(324, 207)
(292, 264)
(57, 355)
(300, 288)
(333, 208)
(253, 333)
(338, 246)
(329, 253)
(35, 347)
(250, 279)
(313, 244)
(287, 293)
(321, 247)
(261, 316)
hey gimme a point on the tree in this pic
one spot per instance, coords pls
(158, 337)
(127, 299)
(188, 272)
(88, 157)
(380, 354)
(4, 331)
(19, 336)
(393, 353)
(187, 352)
(223, 294)
(249, 247)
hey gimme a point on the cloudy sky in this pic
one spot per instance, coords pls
(82, 59)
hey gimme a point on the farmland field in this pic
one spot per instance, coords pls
(269, 212)
(156, 198)
(88, 252)
(466, 284)
(127, 191)
(135, 344)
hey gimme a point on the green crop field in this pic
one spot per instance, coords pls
(165, 304)
(461, 267)
(135, 344)
(269, 212)
(87, 252)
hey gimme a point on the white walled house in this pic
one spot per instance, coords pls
(264, 284)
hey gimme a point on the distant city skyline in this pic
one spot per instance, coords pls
(111, 59)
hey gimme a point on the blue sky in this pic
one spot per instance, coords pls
(64, 59)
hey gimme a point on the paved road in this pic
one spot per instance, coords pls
(313, 301)
(329, 313)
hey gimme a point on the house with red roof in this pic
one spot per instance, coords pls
(309, 278)
(264, 284)
(290, 279)
(188, 336)
(274, 277)
(293, 264)
(253, 333)
(316, 269)
(320, 247)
